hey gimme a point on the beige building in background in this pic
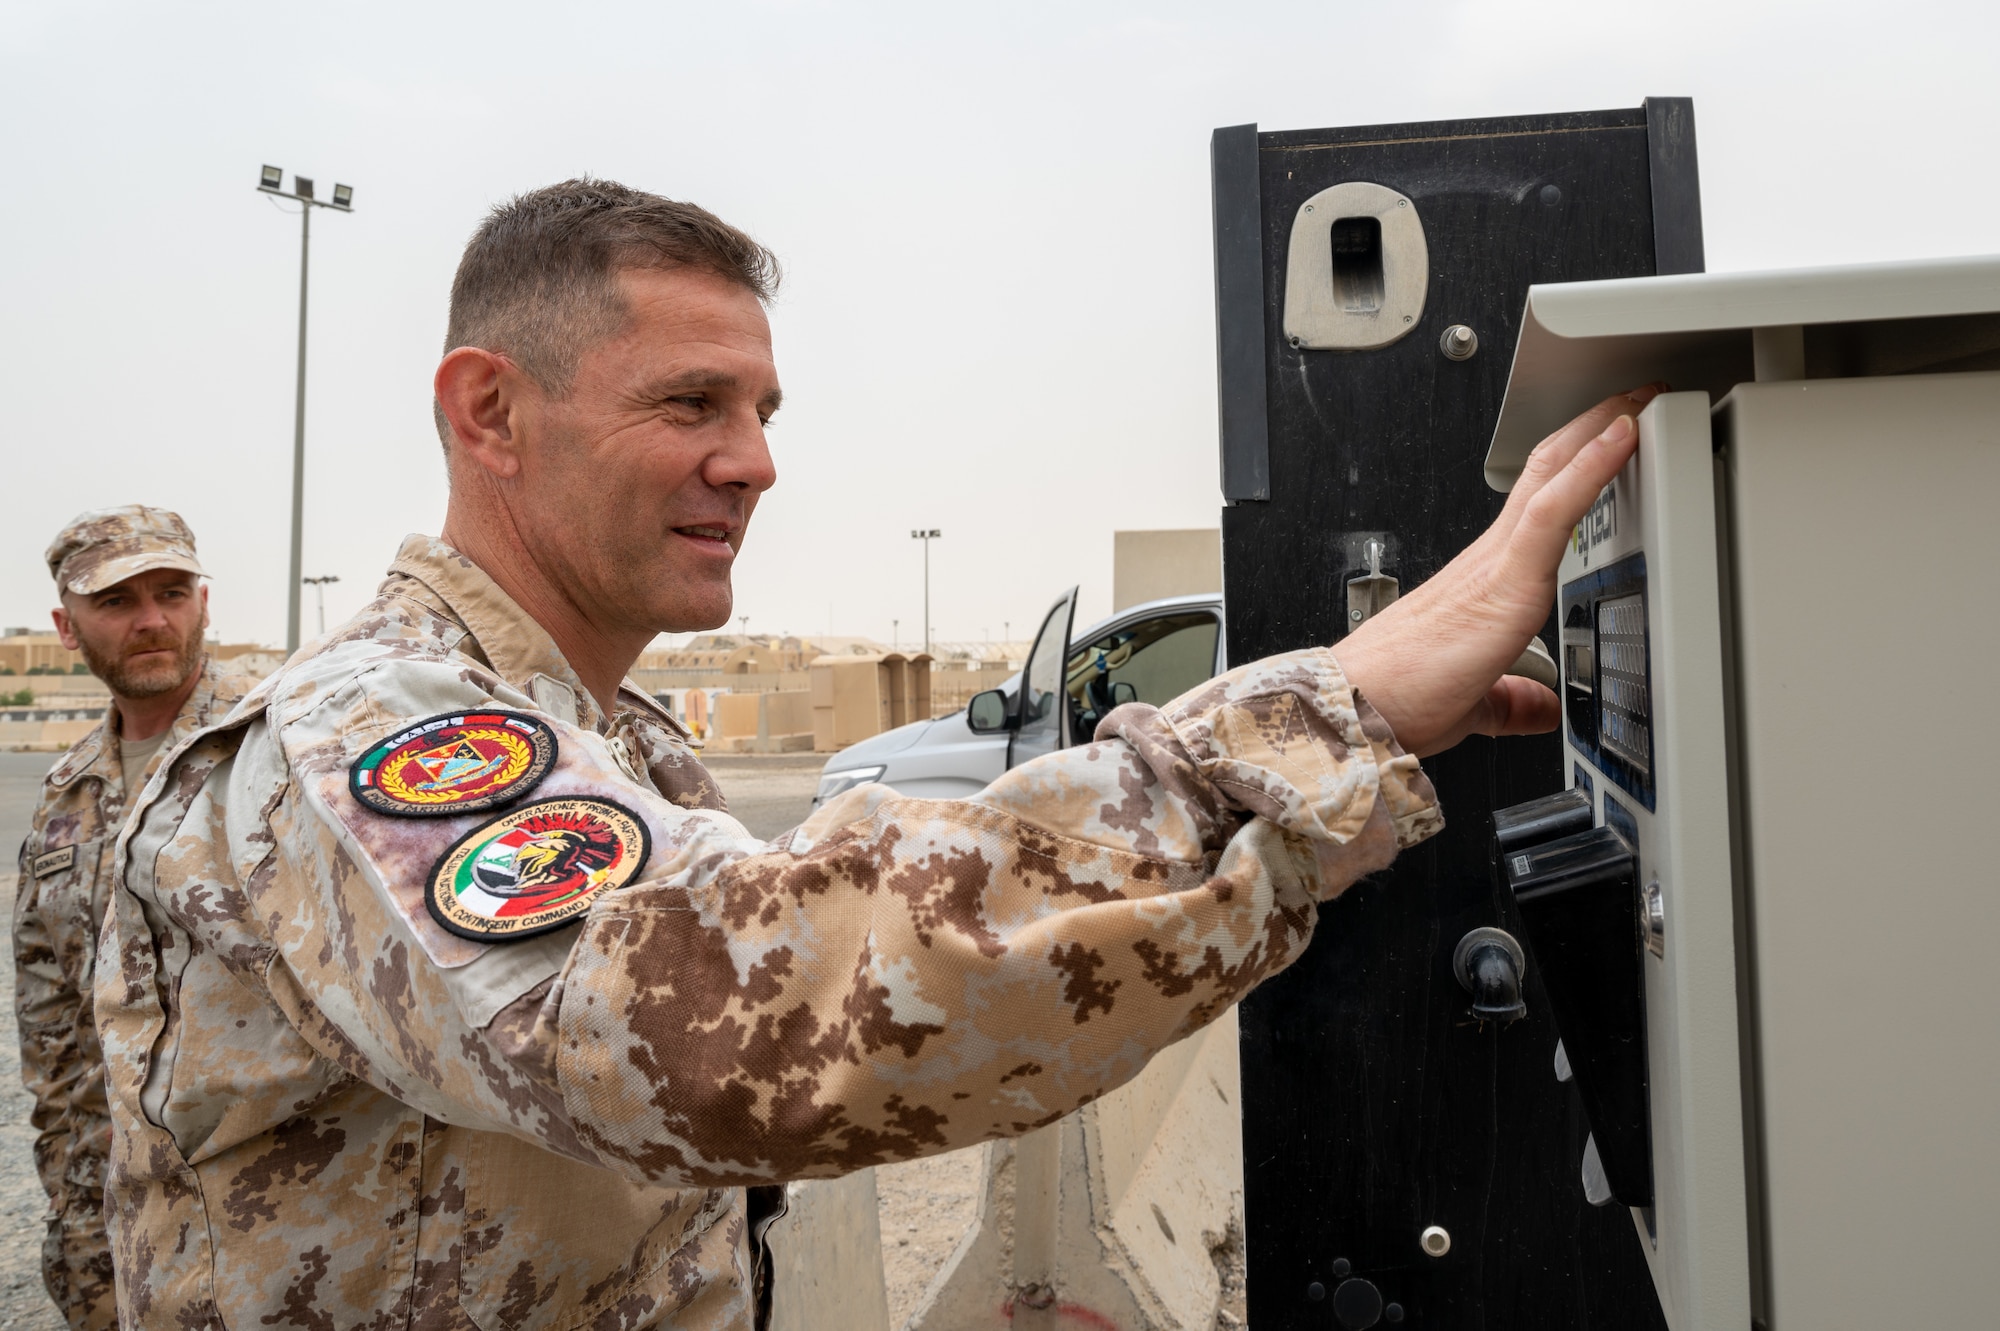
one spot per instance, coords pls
(1147, 565)
(743, 693)
(22, 650)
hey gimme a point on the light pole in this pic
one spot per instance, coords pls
(927, 535)
(319, 588)
(271, 182)
(895, 635)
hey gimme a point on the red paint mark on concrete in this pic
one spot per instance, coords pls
(1070, 1314)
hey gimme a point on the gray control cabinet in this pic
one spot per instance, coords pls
(1779, 630)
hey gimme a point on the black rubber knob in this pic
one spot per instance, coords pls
(1357, 1303)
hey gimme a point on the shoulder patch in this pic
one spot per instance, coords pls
(54, 861)
(535, 868)
(461, 762)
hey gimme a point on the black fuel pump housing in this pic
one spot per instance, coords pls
(1362, 356)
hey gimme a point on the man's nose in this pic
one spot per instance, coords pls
(744, 460)
(151, 616)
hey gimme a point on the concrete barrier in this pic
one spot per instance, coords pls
(855, 697)
(764, 722)
(826, 1258)
(1125, 1216)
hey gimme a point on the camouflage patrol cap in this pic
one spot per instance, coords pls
(108, 545)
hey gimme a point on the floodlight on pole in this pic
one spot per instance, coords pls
(271, 181)
(927, 535)
(319, 586)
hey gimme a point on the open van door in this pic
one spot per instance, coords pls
(1041, 719)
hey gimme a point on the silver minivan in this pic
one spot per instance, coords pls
(1149, 653)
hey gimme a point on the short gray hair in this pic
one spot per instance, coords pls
(538, 281)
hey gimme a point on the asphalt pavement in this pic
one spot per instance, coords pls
(770, 793)
(23, 1304)
(20, 786)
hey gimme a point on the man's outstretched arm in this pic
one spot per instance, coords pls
(900, 977)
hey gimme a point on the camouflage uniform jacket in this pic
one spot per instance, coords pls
(65, 881)
(333, 1112)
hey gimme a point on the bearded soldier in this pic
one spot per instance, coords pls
(447, 993)
(134, 605)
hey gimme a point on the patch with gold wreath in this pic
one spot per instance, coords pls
(462, 762)
(535, 868)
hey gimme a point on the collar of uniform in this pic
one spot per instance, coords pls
(636, 698)
(93, 755)
(519, 650)
(206, 703)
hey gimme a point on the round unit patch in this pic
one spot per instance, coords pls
(535, 868)
(459, 763)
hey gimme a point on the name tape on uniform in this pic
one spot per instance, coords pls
(54, 861)
(462, 762)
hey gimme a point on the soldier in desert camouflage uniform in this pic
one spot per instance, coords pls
(133, 605)
(448, 994)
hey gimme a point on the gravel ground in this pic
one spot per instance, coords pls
(925, 1207)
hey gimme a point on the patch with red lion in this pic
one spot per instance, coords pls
(535, 868)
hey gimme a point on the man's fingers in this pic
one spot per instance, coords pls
(1556, 452)
(1523, 707)
(1548, 518)
(1513, 706)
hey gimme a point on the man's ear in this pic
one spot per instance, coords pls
(481, 395)
(64, 629)
(203, 588)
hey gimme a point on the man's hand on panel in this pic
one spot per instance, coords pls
(1432, 663)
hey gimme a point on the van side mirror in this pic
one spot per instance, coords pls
(988, 713)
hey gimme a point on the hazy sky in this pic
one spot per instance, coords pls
(997, 316)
